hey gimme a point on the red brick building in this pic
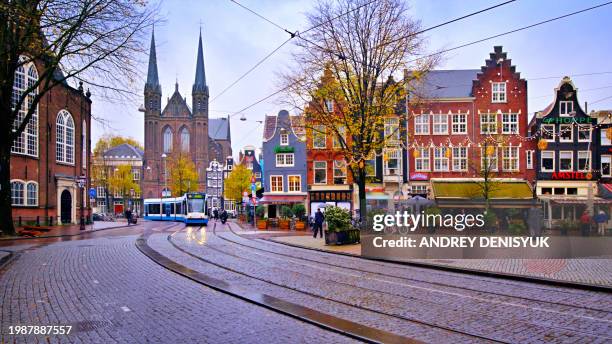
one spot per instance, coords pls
(464, 120)
(51, 153)
(328, 178)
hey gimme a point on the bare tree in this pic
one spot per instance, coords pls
(93, 41)
(488, 168)
(362, 46)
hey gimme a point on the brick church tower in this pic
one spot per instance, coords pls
(176, 129)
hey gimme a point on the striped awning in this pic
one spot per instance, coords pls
(605, 191)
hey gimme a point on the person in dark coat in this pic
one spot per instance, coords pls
(318, 223)
(128, 216)
(585, 223)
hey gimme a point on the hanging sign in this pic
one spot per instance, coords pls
(572, 176)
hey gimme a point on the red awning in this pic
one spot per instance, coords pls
(281, 199)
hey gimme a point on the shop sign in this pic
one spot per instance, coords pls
(568, 120)
(337, 196)
(572, 176)
(419, 176)
(283, 149)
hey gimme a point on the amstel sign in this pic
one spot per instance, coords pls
(572, 175)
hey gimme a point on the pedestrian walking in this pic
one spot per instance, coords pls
(215, 214)
(128, 216)
(602, 220)
(318, 223)
(585, 223)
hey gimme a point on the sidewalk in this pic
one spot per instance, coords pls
(588, 272)
(66, 230)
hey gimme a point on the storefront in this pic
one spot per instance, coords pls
(341, 196)
(566, 200)
(419, 184)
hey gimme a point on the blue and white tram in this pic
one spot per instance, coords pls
(190, 208)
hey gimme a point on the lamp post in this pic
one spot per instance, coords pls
(164, 192)
(81, 185)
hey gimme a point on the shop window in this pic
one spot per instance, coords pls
(571, 191)
(546, 191)
(559, 191)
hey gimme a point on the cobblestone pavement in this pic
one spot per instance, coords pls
(585, 271)
(433, 306)
(110, 292)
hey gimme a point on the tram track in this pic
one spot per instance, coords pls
(578, 293)
(396, 295)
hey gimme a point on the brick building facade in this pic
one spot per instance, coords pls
(464, 119)
(51, 154)
(180, 129)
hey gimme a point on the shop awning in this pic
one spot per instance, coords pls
(473, 190)
(376, 196)
(605, 191)
(579, 200)
(282, 199)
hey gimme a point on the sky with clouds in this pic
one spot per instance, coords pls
(235, 39)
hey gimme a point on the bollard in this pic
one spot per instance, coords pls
(37, 221)
(19, 221)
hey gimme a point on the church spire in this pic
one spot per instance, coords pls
(200, 78)
(152, 78)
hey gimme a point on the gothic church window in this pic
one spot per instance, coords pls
(167, 140)
(27, 142)
(64, 140)
(185, 140)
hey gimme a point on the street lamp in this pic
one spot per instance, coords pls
(164, 156)
(81, 181)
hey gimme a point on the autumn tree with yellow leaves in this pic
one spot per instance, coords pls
(350, 76)
(238, 181)
(121, 182)
(183, 176)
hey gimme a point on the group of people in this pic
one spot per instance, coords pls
(601, 219)
(219, 215)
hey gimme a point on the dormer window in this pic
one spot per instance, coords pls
(566, 108)
(498, 92)
(329, 105)
(284, 139)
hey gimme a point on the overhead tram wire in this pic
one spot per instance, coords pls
(459, 47)
(299, 35)
(514, 31)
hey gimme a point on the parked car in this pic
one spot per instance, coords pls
(97, 217)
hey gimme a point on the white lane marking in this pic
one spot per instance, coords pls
(96, 282)
(125, 309)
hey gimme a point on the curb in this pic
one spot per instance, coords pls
(6, 259)
(476, 272)
(65, 235)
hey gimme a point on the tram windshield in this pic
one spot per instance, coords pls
(196, 205)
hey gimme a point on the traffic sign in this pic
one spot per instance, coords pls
(92, 193)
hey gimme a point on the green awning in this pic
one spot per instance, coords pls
(473, 190)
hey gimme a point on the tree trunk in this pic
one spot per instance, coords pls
(361, 185)
(6, 213)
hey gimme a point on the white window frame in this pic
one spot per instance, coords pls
(392, 129)
(440, 124)
(609, 161)
(423, 162)
(529, 159)
(335, 140)
(542, 161)
(397, 155)
(64, 139)
(27, 194)
(441, 163)
(136, 174)
(460, 159)
(299, 183)
(544, 127)
(339, 168)
(100, 192)
(588, 162)
(493, 160)
(19, 194)
(582, 128)
(285, 160)
(485, 122)
(510, 157)
(315, 168)
(421, 124)
(284, 139)
(27, 142)
(562, 128)
(498, 92)
(571, 155)
(272, 184)
(510, 123)
(604, 140)
(319, 130)
(459, 123)
(564, 109)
